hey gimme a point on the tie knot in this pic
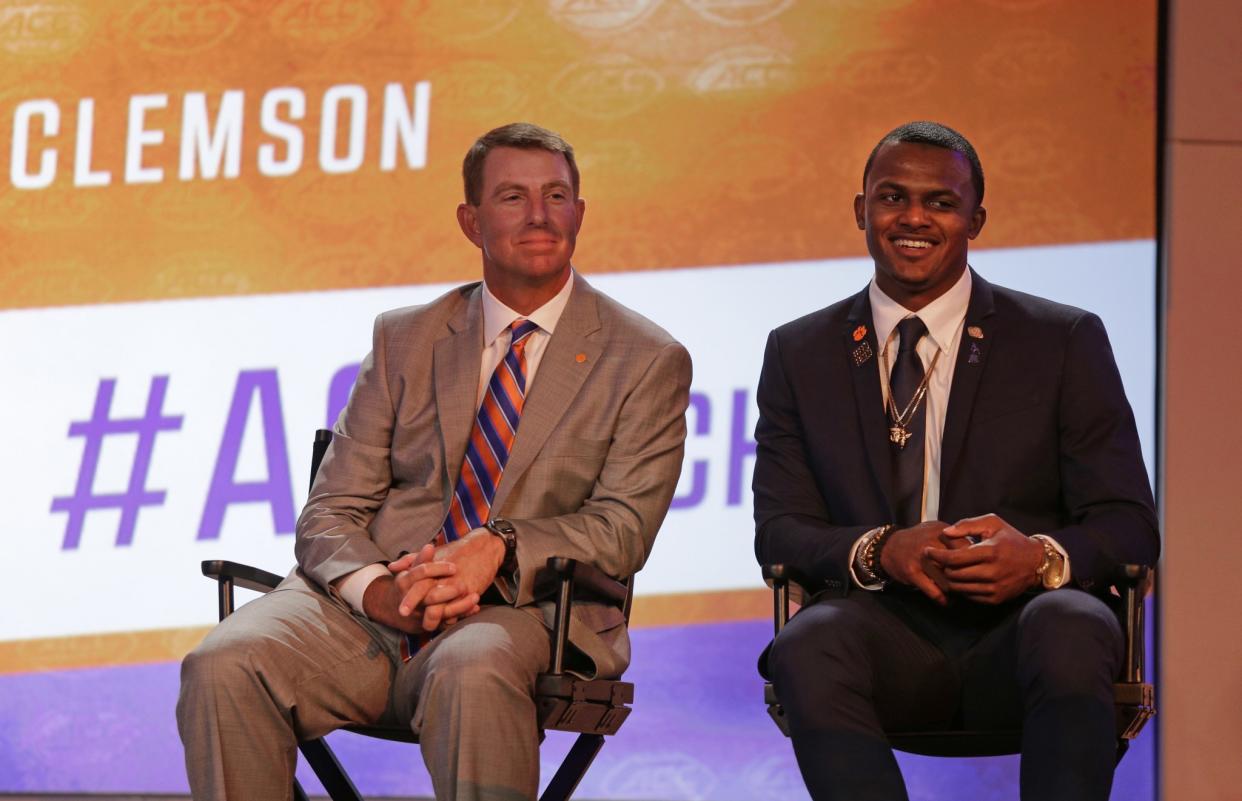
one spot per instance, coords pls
(910, 330)
(521, 329)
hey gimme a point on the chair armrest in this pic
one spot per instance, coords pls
(588, 577)
(1133, 582)
(791, 574)
(229, 574)
(568, 573)
(780, 577)
(245, 576)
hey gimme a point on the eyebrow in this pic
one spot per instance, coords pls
(512, 185)
(938, 192)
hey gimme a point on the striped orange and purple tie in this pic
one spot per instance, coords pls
(490, 440)
(487, 452)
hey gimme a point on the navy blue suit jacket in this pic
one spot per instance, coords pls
(1038, 431)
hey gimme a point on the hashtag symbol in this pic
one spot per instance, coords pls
(93, 431)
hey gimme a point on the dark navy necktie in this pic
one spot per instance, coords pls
(908, 467)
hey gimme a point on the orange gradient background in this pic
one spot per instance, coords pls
(709, 132)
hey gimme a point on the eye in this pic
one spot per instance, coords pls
(557, 195)
(890, 197)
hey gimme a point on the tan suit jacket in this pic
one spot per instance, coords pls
(590, 476)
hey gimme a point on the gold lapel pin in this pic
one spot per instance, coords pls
(975, 331)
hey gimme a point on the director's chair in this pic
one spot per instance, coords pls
(1134, 698)
(593, 709)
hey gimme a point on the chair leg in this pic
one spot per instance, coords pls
(575, 766)
(298, 793)
(328, 769)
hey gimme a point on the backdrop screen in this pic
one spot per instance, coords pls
(204, 204)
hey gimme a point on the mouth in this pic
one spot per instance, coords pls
(912, 245)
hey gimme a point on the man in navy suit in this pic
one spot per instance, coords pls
(957, 463)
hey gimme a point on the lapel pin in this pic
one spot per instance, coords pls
(859, 333)
(974, 354)
(975, 332)
(580, 358)
(861, 354)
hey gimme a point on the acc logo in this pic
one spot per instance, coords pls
(483, 86)
(1031, 58)
(740, 68)
(464, 19)
(666, 774)
(738, 13)
(182, 26)
(50, 28)
(55, 210)
(323, 22)
(1017, 5)
(608, 86)
(787, 171)
(202, 273)
(904, 72)
(57, 282)
(212, 206)
(601, 16)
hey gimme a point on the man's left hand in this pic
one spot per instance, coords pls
(478, 557)
(1000, 566)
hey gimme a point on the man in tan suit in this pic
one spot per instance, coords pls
(418, 595)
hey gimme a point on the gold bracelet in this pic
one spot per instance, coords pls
(868, 556)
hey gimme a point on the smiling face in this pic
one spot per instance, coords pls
(526, 224)
(920, 211)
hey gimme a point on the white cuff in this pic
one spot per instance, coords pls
(353, 586)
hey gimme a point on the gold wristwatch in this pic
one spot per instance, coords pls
(1051, 571)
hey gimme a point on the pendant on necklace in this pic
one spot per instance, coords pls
(898, 435)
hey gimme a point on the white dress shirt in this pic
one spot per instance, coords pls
(945, 317)
(497, 317)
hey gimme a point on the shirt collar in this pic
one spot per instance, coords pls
(943, 316)
(497, 316)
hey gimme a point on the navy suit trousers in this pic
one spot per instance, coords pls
(848, 669)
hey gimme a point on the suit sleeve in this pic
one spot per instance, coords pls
(616, 525)
(792, 522)
(353, 479)
(1104, 484)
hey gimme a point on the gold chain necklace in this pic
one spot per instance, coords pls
(899, 432)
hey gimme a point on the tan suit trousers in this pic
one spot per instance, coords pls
(294, 665)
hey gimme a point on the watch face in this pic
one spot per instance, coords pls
(502, 526)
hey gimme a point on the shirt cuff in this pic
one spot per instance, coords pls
(353, 586)
(877, 585)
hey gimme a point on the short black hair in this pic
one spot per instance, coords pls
(922, 132)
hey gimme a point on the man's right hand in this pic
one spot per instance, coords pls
(902, 559)
(418, 599)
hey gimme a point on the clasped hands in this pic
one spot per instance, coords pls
(435, 587)
(981, 558)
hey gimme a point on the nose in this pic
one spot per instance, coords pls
(537, 213)
(914, 215)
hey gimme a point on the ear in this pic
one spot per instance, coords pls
(976, 221)
(468, 219)
(579, 212)
(860, 215)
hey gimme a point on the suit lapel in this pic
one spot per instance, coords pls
(571, 355)
(862, 351)
(455, 370)
(978, 340)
